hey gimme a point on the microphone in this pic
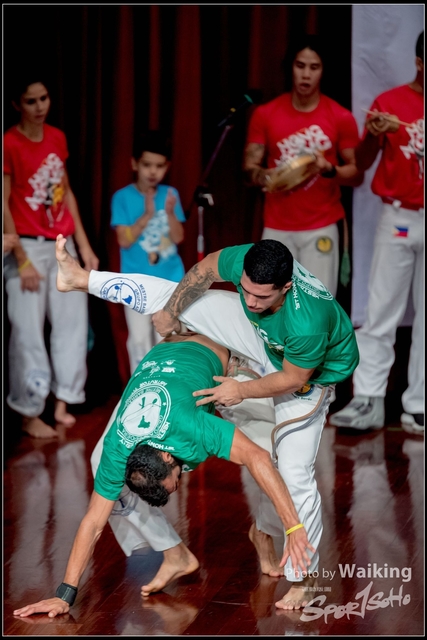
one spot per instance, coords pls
(252, 96)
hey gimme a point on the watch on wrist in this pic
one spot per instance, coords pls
(331, 173)
(66, 592)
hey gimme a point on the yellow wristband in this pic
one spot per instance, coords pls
(129, 235)
(297, 526)
(24, 265)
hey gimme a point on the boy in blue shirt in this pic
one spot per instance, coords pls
(147, 217)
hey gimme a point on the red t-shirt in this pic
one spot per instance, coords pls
(36, 171)
(400, 172)
(286, 134)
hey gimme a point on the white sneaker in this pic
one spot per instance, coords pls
(362, 413)
(413, 423)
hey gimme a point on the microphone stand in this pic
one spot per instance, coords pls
(203, 198)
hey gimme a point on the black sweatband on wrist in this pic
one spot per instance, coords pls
(330, 174)
(66, 592)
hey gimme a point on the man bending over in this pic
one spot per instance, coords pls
(155, 433)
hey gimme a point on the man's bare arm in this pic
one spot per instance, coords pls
(253, 164)
(195, 282)
(89, 531)
(259, 464)
(367, 150)
(348, 175)
(231, 391)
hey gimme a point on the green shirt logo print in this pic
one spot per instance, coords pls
(145, 413)
(309, 283)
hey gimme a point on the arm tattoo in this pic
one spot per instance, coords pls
(191, 287)
(254, 157)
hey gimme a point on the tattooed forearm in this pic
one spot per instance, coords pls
(191, 287)
(254, 156)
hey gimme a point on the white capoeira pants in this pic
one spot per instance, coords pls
(397, 271)
(220, 316)
(141, 337)
(33, 373)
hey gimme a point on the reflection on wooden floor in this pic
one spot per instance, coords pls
(372, 488)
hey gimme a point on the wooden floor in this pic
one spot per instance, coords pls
(372, 488)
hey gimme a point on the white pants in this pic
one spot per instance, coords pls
(220, 316)
(33, 374)
(316, 249)
(397, 267)
(141, 337)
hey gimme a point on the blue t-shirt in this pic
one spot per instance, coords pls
(127, 205)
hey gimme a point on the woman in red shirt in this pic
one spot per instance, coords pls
(39, 204)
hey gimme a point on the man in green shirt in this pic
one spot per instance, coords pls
(155, 433)
(310, 345)
(283, 319)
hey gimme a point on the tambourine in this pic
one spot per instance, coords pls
(291, 174)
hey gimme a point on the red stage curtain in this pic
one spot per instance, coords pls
(186, 138)
(120, 171)
(155, 68)
(117, 69)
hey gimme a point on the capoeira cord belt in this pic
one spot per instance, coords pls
(308, 419)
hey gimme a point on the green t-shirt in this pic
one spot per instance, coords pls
(310, 330)
(158, 409)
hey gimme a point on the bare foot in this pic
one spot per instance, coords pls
(299, 595)
(71, 276)
(61, 414)
(178, 561)
(36, 428)
(264, 546)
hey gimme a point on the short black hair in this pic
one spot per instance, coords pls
(153, 141)
(297, 43)
(269, 262)
(419, 47)
(145, 469)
